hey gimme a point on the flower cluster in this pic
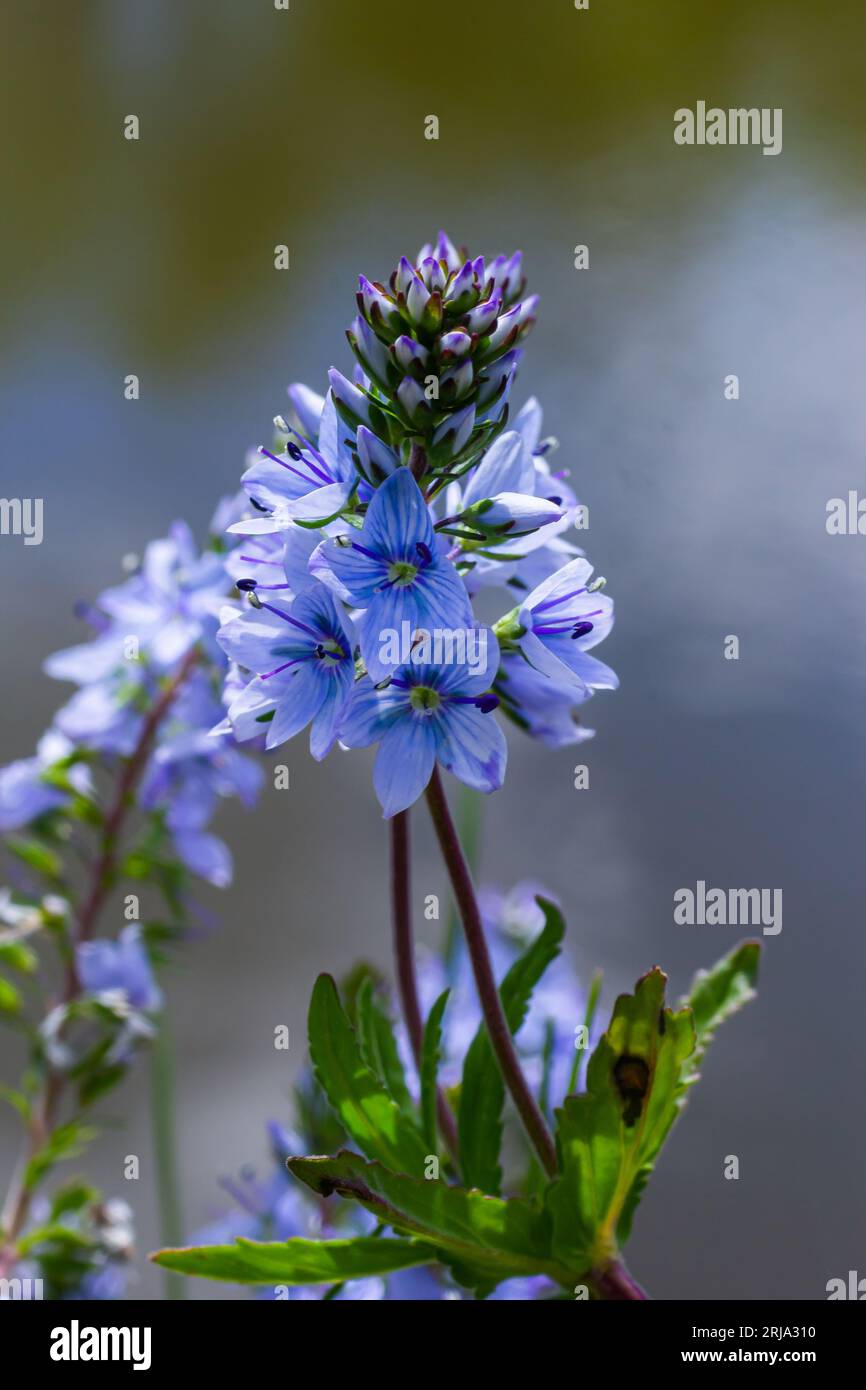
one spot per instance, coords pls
(124, 783)
(375, 525)
(153, 647)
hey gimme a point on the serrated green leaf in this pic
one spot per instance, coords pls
(609, 1137)
(360, 1101)
(296, 1261)
(431, 1049)
(482, 1091)
(378, 1043)
(719, 992)
(488, 1239)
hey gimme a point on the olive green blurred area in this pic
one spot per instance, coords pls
(261, 127)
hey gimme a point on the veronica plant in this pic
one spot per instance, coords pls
(377, 518)
(122, 788)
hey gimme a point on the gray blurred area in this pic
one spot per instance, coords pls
(706, 515)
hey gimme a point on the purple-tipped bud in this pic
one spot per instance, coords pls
(482, 319)
(414, 402)
(454, 433)
(416, 298)
(498, 376)
(410, 355)
(513, 324)
(375, 456)
(377, 307)
(403, 277)
(463, 289)
(370, 351)
(510, 278)
(446, 251)
(349, 397)
(432, 274)
(456, 382)
(454, 345)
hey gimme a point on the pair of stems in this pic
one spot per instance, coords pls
(488, 993)
(614, 1282)
(102, 879)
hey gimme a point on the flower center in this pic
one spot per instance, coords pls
(330, 652)
(401, 573)
(423, 699)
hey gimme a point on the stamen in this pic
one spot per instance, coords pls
(363, 550)
(486, 703)
(285, 666)
(299, 457)
(555, 602)
(254, 560)
(287, 618)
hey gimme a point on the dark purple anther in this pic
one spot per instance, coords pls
(487, 703)
(246, 586)
(580, 630)
(424, 551)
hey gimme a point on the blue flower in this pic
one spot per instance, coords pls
(118, 971)
(426, 714)
(169, 605)
(302, 654)
(545, 708)
(24, 792)
(302, 482)
(393, 569)
(561, 620)
(185, 778)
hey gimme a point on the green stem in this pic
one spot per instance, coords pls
(164, 1150)
(485, 981)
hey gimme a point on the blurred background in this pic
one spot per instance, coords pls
(155, 257)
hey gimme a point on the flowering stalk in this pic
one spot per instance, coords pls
(404, 956)
(488, 993)
(105, 868)
(102, 876)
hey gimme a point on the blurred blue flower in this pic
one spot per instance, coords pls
(118, 972)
